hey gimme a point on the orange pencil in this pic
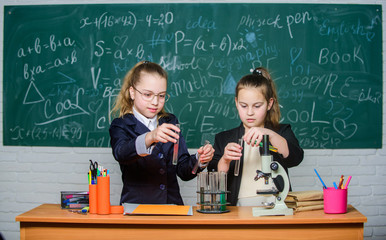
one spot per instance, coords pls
(341, 182)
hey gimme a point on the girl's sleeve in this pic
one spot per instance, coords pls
(123, 143)
(218, 152)
(186, 161)
(296, 153)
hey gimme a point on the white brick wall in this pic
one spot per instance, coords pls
(30, 176)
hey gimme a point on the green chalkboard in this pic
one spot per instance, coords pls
(63, 66)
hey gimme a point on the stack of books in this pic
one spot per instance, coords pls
(305, 200)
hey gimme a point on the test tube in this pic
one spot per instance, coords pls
(194, 171)
(213, 183)
(200, 190)
(175, 149)
(237, 163)
(203, 189)
(223, 189)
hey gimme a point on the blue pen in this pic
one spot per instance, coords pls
(335, 186)
(324, 185)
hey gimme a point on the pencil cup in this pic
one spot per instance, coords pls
(335, 200)
(92, 191)
(103, 193)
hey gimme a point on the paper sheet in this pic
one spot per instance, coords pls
(157, 209)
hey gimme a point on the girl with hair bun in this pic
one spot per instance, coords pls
(258, 108)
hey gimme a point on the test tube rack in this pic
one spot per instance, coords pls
(212, 192)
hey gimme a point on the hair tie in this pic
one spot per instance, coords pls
(145, 62)
(256, 72)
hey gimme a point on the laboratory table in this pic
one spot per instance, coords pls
(49, 221)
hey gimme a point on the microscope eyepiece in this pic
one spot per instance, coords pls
(265, 145)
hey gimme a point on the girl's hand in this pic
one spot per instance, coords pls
(206, 153)
(164, 133)
(255, 135)
(232, 151)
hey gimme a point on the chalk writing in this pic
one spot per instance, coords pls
(339, 30)
(106, 20)
(64, 68)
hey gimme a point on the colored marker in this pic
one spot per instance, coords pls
(324, 185)
(85, 209)
(336, 187)
(271, 148)
(76, 195)
(347, 183)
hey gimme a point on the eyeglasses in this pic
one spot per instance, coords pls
(149, 96)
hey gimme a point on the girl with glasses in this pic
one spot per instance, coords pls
(143, 137)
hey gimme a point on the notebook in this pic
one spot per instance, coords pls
(157, 209)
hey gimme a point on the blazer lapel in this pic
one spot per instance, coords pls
(139, 127)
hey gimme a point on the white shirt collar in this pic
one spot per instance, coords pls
(151, 123)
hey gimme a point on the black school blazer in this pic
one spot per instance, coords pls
(151, 179)
(294, 158)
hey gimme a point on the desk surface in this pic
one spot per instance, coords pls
(49, 221)
(237, 215)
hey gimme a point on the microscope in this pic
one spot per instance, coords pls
(272, 169)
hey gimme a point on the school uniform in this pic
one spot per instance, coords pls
(148, 175)
(294, 158)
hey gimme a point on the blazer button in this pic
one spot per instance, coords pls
(162, 186)
(162, 171)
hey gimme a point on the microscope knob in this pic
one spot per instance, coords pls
(274, 166)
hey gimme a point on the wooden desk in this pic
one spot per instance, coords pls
(48, 221)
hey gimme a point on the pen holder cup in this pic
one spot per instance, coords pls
(103, 195)
(92, 191)
(335, 200)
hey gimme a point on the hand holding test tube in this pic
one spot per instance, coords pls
(175, 149)
(194, 171)
(237, 163)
